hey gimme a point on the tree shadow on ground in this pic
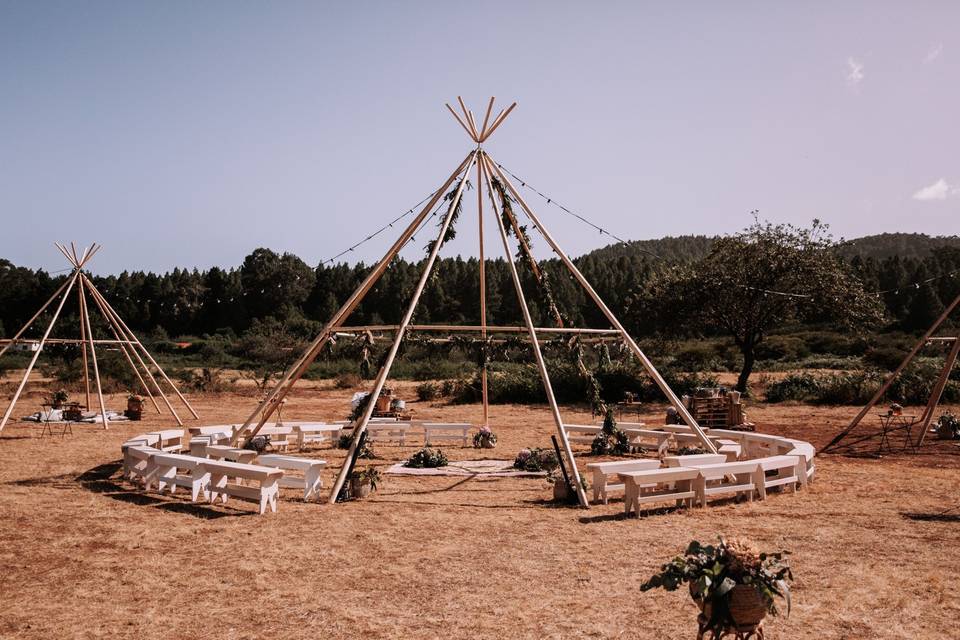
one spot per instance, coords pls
(950, 515)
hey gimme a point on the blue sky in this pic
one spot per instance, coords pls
(188, 134)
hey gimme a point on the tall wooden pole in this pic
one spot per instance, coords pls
(36, 354)
(93, 357)
(483, 287)
(361, 426)
(538, 356)
(893, 376)
(269, 404)
(125, 345)
(579, 277)
(124, 332)
(83, 344)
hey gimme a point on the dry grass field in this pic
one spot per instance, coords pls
(84, 555)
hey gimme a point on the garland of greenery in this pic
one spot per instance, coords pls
(453, 212)
(611, 440)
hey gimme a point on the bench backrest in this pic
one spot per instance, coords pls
(661, 475)
(714, 471)
(240, 470)
(610, 468)
(695, 460)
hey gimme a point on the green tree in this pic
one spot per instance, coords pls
(754, 282)
(272, 283)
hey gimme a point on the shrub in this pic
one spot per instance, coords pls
(796, 386)
(427, 458)
(428, 391)
(888, 358)
(347, 380)
(536, 460)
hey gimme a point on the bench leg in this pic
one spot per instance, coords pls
(264, 498)
(700, 487)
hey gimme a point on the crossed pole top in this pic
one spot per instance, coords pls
(79, 261)
(469, 124)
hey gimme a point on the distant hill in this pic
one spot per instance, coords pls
(687, 248)
(905, 245)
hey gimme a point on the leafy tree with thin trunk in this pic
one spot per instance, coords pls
(749, 284)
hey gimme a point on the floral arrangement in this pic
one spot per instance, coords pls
(611, 440)
(427, 458)
(257, 443)
(948, 426)
(895, 409)
(370, 476)
(733, 583)
(536, 460)
(58, 398)
(485, 438)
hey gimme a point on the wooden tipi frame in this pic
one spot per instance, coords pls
(935, 395)
(136, 355)
(486, 171)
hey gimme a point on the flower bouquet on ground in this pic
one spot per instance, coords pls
(535, 460)
(611, 440)
(734, 585)
(427, 458)
(485, 438)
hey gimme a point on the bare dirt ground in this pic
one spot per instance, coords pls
(84, 555)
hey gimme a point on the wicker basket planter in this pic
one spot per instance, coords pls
(747, 606)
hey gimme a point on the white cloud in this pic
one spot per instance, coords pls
(854, 71)
(939, 190)
(933, 53)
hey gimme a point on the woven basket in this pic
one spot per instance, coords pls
(747, 606)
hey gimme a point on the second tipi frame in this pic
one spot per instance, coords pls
(136, 355)
(487, 170)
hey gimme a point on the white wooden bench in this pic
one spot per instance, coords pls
(451, 431)
(730, 448)
(233, 454)
(138, 464)
(581, 433)
(316, 432)
(197, 479)
(310, 481)
(808, 452)
(392, 431)
(170, 440)
(267, 480)
(740, 478)
(781, 471)
(658, 485)
(649, 438)
(694, 460)
(279, 436)
(604, 471)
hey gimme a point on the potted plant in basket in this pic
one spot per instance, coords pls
(734, 585)
(363, 482)
(58, 398)
(485, 438)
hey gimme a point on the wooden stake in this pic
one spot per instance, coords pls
(572, 268)
(465, 127)
(486, 119)
(36, 354)
(267, 406)
(361, 427)
(496, 123)
(93, 357)
(893, 376)
(538, 356)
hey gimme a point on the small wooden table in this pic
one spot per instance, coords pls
(890, 422)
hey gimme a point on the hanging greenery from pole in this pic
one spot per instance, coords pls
(454, 208)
